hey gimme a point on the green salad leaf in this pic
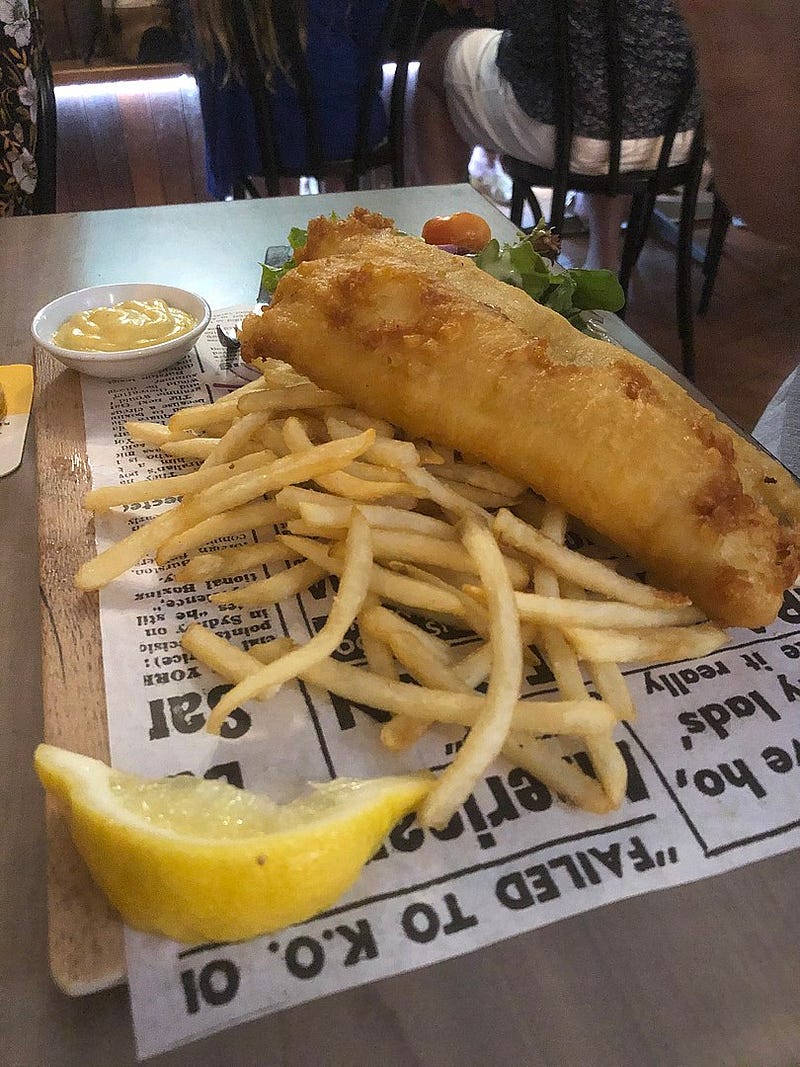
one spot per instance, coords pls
(270, 276)
(569, 292)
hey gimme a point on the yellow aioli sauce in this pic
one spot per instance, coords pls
(130, 324)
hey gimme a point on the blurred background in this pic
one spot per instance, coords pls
(130, 134)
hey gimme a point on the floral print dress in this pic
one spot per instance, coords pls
(20, 49)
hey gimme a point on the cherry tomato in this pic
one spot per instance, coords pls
(463, 229)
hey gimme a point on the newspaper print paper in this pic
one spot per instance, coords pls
(714, 765)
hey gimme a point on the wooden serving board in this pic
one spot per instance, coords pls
(85, 934)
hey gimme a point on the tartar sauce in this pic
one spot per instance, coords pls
(130, 324)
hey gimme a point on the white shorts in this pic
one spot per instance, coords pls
(485, 111)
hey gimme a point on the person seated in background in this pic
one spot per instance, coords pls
(749, 67)
(20, 49)
(485, 167)
(495, 88)
(338, 37)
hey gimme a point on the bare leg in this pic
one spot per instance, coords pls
(604, 215)
(438, 156)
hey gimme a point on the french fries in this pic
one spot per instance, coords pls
(488, 735)
(405, 526)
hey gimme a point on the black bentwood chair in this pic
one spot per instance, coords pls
(388, 153)
(721, 219)
(643, 185)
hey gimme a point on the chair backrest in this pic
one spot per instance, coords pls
(286, 15)
(563, 93)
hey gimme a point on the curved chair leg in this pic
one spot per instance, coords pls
(632, 246)
(720, 221)
(522, 193)
(517, 201)
(558, 206)
(644, 217)
(535, 206)
(683, 273)
(642, 207)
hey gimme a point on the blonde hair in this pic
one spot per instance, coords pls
(216, 36)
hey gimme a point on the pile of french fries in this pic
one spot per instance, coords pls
(404, 525)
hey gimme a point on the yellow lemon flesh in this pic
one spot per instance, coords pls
(199, 860)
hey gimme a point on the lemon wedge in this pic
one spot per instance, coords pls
(199, 860)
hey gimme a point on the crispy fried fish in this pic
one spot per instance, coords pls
(425, 339)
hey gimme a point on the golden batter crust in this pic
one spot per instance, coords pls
(427, 340)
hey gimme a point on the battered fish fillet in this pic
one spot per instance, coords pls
(410, 333)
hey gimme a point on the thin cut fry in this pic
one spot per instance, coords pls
(484, 498)
(481, 477)
(353, 588)
(376, 472)
(609, 766)
(235, 441)
(178, 485)
(121, 556)
(341, 483)
(300, 397)
(607, 762)
(563, 778)
(378, 654)
(253, 483)
(363, 421)
(147, 433)
(270, 590)
(225, 659)
(311, 529)
(647, 646)
(386, 451)
(579, 719)
(474, 668)
(338, 512)
(582, 718)
(596, 614)
(227, 562)
(424, 665)
(235, 521)
(385, 625)
(190, 447)
(409, 592)
(613, 690)
(588, 573)
(473, 613)
(433, 551)
(485, 740)
(201, 416)
(446, 498)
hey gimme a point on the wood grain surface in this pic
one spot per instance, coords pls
(85, 935)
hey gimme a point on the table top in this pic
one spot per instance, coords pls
(703, 974)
